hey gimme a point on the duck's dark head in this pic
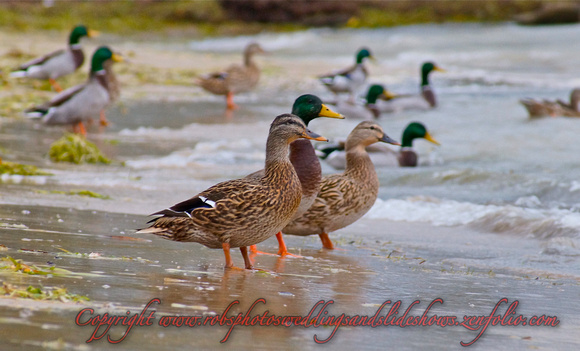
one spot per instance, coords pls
(79, 32)
(416, 130)
(101, 55)
(309, 107)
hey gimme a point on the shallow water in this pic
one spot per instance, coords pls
(492, 209)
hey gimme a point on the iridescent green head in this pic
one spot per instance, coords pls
(309, 107)
(426, 69)
(377, 91)
(414, 131)
(79, 32)
(101, 55)
(362, 54)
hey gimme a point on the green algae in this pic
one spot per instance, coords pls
(74, 148)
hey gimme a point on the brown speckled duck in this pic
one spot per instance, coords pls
(546, 108)
(346, 197)
(242, 212)
(236, 78)
(304, 159)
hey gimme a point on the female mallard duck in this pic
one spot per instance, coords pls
(346, 197)
(241, 212)
(554, 108)
(82, 102)
(348, 80)
(367, 110)
(303, 158)
(380, 154)
(235, 79)
(425, 101)
(58, 63)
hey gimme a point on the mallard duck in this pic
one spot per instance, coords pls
(348, 80)
(303, 158)
(236, 78)
(424, 101)
(346, 197)
(242, 212)
(82, 102)
(546, 108)
(380, 154)
(368, 109)
(58, 63)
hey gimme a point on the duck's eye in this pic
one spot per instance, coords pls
(372, 128)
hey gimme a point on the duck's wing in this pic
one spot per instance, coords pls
(40, 60)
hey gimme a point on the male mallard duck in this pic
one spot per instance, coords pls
(381, 155)
(84, 101)
(554, 108)
(242, 212)
(367, 110)
(348, 80)
(346, 197)
(425, 101)
(303, 158)
(235, 79)
(58, 63)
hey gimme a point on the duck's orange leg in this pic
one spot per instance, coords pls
(103, 119)
(79, 128)
(326, 242)
(282, 249)
(247, 260)
(55, 85)
(230, 101)
(229, 261)
(254, 251)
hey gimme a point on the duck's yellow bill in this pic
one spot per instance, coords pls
(388, 95)
(313, 136)
(117, 58)
(439, 69)
(326, 112)
(93, 33)
(428, 137)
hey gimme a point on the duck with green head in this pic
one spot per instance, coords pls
(383, 156)
(59, 63)
(351, 79)
(82, 102)
(424, 101)
(303, 158)
(366, 109)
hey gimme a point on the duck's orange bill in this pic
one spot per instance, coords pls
(313, 136)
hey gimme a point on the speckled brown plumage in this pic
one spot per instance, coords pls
(245, 211)
(346, 197)
(236, 78)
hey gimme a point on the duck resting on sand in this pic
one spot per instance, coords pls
(241, 212)
(546, 108)
(381, 154)
(303, 158)
(58, 63)
(85, 101)
(236, 78)
(346, 197)
(351, 79)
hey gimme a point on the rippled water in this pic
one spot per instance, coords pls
(496, 170)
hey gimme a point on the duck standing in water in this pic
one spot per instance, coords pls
(242, 212)
(303, 158)
(424, 101)
(546, 108)
(236, 78)
(59, 63)
(351, 79)
(381, 155)
(82, 102)
(344, 198)
(367, 110)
